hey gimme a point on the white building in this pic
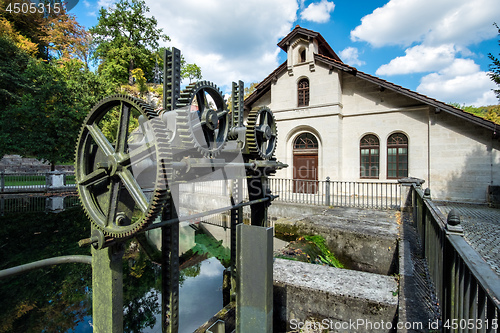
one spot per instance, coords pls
(335, 121)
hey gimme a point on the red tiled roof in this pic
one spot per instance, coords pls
(323, 46)
(265, 85)
(438, 105)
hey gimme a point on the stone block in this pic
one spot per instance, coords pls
(332, 299)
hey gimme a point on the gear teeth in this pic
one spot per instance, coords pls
(251, 133)
(163, 153)
(185, 124)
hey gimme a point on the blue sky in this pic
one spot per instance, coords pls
(436, 47)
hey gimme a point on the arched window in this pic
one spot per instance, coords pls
(306, 141)
(369, 148)
(303, 92)
(397, 156)
(302, 54)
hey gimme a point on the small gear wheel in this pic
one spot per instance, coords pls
(122, 164)
(203, 118)
(261, 134)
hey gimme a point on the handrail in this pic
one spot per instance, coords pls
(43, 263)
(467, 288)
(361, 194)
(11, 182)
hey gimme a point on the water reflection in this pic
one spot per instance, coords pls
(58, 299)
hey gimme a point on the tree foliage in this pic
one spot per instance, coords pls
(491, 112)
(13, 61)
(45, 89)
(495, 67)
(191, 72)
(125, 39)
(45, 118)
(55, 35)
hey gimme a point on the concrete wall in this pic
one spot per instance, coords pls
(362, 243)
(331, 299)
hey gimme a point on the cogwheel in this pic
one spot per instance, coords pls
(261, 134)
(122, 167)
(203, 118)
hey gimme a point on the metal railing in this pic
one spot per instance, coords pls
(467, 288)
(376, 195)
(22, 203)
(35, 182)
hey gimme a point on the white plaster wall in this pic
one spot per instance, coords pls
(324, 88)
(465, 159)
(457, 159)
(325, 128)
(412, 123)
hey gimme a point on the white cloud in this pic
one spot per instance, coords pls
(350, 56)
(318, 12)
(464, 80)
(229, 40)
(104, 3)
(403, 22)
(420, 58)
(434, 33)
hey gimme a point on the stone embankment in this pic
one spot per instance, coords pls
(18, 164)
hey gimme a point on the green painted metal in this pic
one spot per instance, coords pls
(44, 263)
(254, 297)
(170, 270)
(107, 289)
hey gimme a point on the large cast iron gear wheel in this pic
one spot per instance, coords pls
(122, 183)
(203, 118)
(261, 134)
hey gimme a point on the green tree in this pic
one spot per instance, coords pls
(45, 117)
(495, 67)
(54, 35)
(13, 62)
(125, 39)
(191, 72)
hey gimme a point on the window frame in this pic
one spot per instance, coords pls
(302, 55)
(365, 144)
(303, 92)
(399, 141)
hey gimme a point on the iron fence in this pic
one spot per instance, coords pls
(376, 195)
(35, 182)
(467, 288)
(21, 203)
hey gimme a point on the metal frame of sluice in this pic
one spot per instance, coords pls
(251, 270)
(251, 265)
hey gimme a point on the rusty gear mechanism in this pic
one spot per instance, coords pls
(121, 187)
(203, 118)
(261, 133)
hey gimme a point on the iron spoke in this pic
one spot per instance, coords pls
(121, 136)
(93, 177)
(221, 114)
(208, 135)
(200, 97)
(216, 135)
(147, 150)
(259, 129)
(114, 194)
(134, 189)
(263, 147)
(100, 140)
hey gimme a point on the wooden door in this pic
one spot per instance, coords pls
(305, 173)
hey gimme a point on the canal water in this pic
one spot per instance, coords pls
(59, 298)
